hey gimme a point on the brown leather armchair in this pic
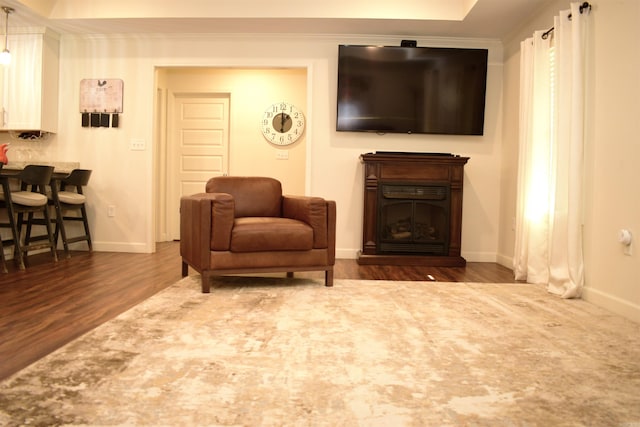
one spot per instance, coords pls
(246, 225)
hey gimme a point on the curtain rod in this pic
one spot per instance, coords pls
(584, 6)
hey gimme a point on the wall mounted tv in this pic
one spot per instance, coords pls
(387, 89)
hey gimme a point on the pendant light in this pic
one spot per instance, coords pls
(5, 56)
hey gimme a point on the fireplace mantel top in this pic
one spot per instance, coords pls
(412, 156)
(412, 153)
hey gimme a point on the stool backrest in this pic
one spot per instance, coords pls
(36, 176)
(78, 177)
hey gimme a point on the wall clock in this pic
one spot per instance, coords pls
(282, 123)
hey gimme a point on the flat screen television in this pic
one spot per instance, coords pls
(388, 89)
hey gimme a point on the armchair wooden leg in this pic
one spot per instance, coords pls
(328, 278)
(206, 283)
(185, 269)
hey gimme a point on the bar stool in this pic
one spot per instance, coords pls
(29, 200)
(70, 198)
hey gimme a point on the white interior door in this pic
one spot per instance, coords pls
(200, 147)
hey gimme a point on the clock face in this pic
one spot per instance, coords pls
(282, 123)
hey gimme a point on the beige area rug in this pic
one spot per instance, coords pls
(290, 352)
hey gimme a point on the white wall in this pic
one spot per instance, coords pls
(124, 178)
(612, 152)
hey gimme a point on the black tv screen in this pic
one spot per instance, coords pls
(389, 89)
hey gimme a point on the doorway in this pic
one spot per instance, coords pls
(226, 106)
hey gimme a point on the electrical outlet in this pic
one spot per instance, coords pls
(111, 211)
(282, 154)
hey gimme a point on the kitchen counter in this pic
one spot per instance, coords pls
(58, 167)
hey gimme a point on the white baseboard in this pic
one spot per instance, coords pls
(479, 256)
(612, 303)
(347, 253)
(505, 261)
(131, 247)
(139, 248)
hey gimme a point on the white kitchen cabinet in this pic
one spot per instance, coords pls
(30, 92)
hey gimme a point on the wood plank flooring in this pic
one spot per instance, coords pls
(50, 304)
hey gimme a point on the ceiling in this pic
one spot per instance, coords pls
(493, 19)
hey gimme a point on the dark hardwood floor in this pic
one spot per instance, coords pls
(49, 304)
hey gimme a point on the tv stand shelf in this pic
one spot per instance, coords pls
(421, 169)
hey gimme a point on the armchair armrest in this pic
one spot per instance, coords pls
(312, 211)
(206, 220)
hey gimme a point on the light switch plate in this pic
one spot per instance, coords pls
(282, 154)
(137, 145)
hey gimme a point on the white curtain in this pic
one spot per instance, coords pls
(548, 247)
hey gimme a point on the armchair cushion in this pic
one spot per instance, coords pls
(266, 234)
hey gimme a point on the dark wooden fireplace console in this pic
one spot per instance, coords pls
(430, 186)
